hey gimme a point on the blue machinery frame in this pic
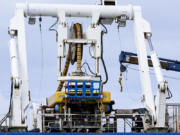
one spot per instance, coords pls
(173, 65)
(93, 92)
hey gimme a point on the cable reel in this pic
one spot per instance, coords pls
(73, 47)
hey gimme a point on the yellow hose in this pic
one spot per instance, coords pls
(66, 67)
(79, 46)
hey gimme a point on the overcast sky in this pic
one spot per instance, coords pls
(163, 16)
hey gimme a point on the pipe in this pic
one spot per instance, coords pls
(14, 57)
(76, 10)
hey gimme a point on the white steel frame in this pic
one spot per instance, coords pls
(96, 12)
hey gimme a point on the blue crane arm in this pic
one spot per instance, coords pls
(128, 57)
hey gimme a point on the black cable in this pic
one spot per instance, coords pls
(51, 27)
(105, 31)
(12, 84)
(169, 93)
(42, 56)
(90, 53)
(170, 77)
(85, 63)
(84, 70)
(105, 70)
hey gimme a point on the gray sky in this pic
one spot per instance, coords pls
(163, 16)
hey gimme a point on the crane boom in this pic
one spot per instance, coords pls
(167, 64)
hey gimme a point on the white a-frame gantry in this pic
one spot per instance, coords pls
(142, 31)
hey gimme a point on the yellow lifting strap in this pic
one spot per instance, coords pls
(120, 82)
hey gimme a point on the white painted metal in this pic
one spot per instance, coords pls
(15, 118)
(35, 117)
(80, 78)
(95, 18)
(96, 12)
(140, 28)
(76, 10)
(160, 100)
(94, 33)
(157, 68)
(81, 41)
(62, 34)
(14, 58)
(20, 96)
(16, 96)
(62, 37)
